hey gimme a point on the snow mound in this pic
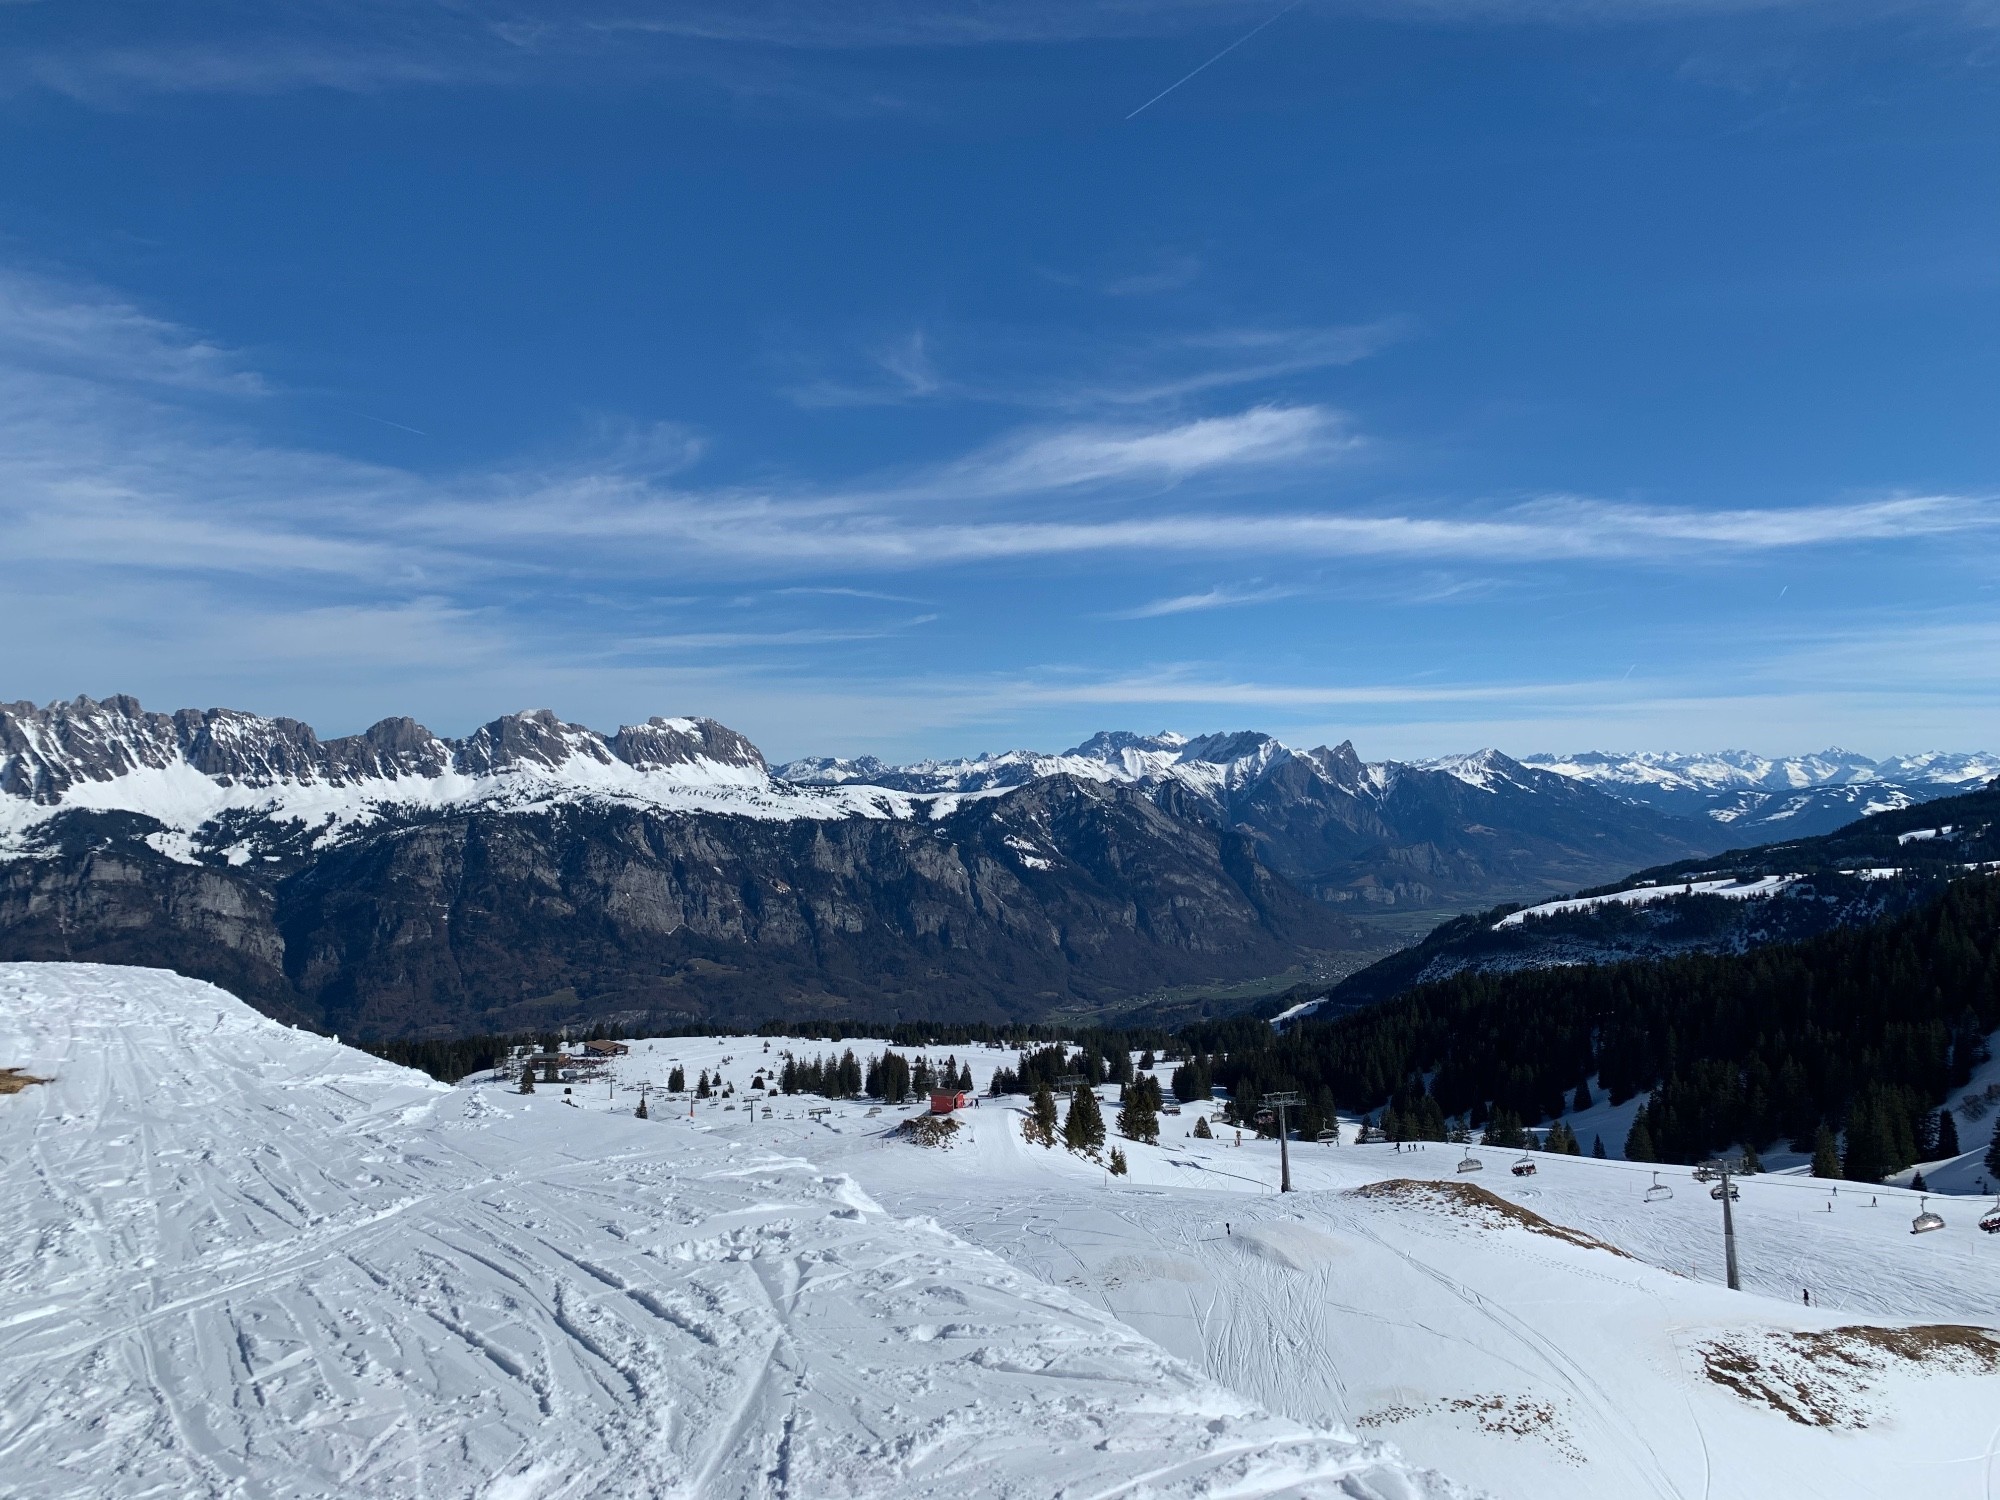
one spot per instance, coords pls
(1469, 1203)
(240, 1259)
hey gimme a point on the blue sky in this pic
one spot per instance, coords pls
(901, 380)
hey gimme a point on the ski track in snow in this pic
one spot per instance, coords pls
(240, 1260)
(1517, 1363)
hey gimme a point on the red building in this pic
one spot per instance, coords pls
(944, 1101)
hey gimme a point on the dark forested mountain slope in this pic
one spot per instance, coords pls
(1731, 902)
(1860, 1030)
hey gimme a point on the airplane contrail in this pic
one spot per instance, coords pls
(1215, 59)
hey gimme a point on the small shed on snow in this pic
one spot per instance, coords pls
(944, 1101)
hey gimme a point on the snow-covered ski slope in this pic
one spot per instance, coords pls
(1522, 1363)
(239, 1260)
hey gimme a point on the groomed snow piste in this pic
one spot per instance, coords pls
(240, 1260)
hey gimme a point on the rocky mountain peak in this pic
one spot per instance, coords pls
(659, 743)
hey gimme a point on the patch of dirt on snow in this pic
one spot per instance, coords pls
(1820, 1379)
(13, 1080)
(1475, 1205)
(928, 1130)
(1504, 1416)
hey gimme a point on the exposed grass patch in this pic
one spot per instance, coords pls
(1501, 1416)
(13, 1080)
(1821, 1379)
(1475, 1205)
(929, 1130)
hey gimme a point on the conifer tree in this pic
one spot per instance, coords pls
(640, 1112)
(1581, 1100)
(1752, 1162)
(1639, 1142)
(528, 1078)
(701, 1088)
(1867, 1158)
(1826, 1152)
(1597, 1150)
(549, 1073)
(1083, 1126)
(1201, 1130)
(1118, 1166)
(678, 1079)
(1918, 1185)
(1947, 1134)
(1137, 1121)
(1042, 1116)
(1993, 1151)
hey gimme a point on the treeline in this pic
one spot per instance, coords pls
(913, 1034)
(1862, 1030)
(891, 1077)
(1105, 1058)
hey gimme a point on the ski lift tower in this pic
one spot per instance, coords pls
(1721, 1171)
(1281, 1102)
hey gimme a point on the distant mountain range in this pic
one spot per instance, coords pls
(1756, 796)
(398, 881)
(1764, 798)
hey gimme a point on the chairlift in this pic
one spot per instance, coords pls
(1525, 1167)
(1471, 1163)
(1735, 1193)
(1925, 1221)
(1991, 1223)
(874, 1109)
(1328, 1137)
(1659, 1192)
(1706, 1173)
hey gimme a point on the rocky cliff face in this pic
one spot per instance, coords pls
(1056, 894)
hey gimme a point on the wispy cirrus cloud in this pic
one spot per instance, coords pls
(70, 328)
(1219, 597)
(1053, 373)
(140, 508)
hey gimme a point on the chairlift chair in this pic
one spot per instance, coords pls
(1471, 1163)
(1525, 1167)
(1328, 1137)
(1705, 1173)
(1735, 1193)
(1991, 1223)
(1659, 1192)
(1925, 1221)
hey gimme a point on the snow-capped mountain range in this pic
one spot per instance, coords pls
(1783, 797)
(399, 878)
(192, 768)
(1740, 770)
(1803, 794)
(189, 767)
